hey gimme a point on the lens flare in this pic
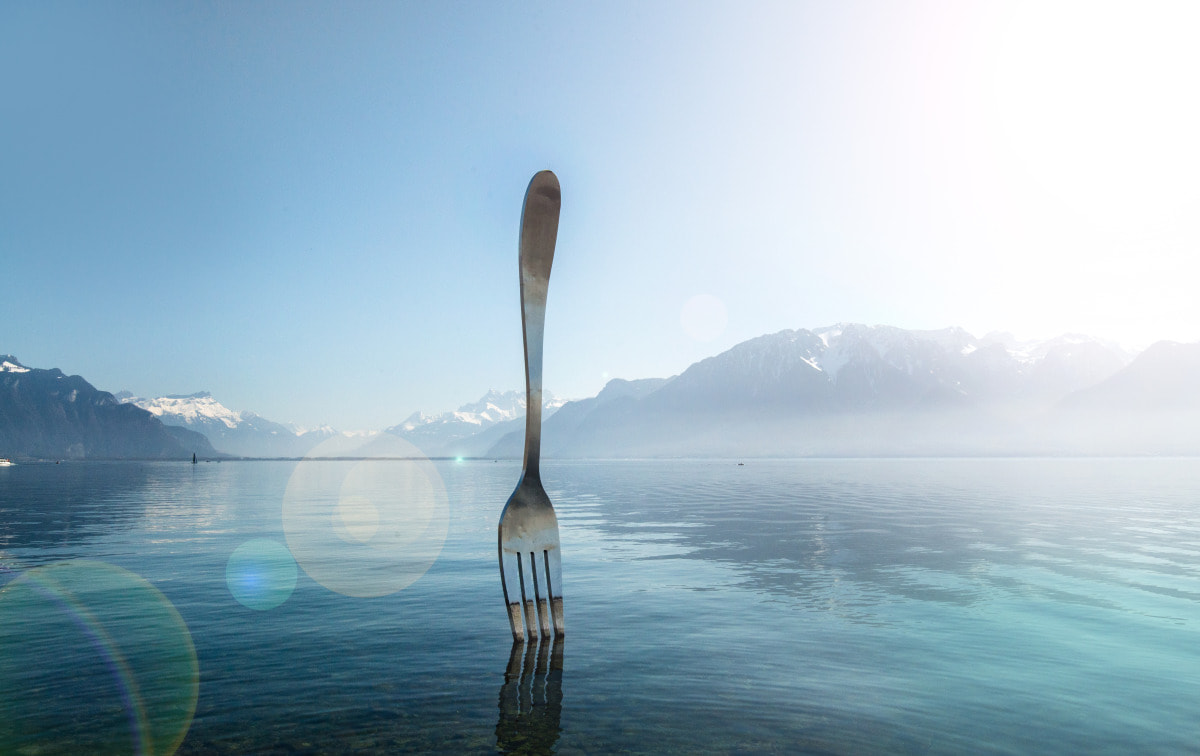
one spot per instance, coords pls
(261, 574)
(88, 642)
(367, 526)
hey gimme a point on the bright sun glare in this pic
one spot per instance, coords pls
(1100, 104)
(1096, 102)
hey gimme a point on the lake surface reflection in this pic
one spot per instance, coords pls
(531, 698)
(790, 606)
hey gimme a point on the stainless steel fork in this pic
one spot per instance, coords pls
(530, 558)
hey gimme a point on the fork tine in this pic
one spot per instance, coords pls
(553, 561)
(510, 578)
(541, 589)
(527, 595)
(533, 593)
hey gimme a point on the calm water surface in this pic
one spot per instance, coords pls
(820, 606)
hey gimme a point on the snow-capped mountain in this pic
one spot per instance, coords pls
(10, 364)
(847, 389)
(858, 367)
(240, 433)
(187, 409)
(472, 428)
(46, 414)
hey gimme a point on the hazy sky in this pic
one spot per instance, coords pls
(311, 209)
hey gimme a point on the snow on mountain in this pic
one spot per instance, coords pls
(46, 414)
(854, 365)
(190, 409)
(239, 433)
(851, 342)
(843, 389)
(497, 407)
(9, 364)
(494, 407)
(828, 350)
(444, 434)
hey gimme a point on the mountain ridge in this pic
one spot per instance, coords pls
(237, 433)
(46, 414)
(859, 390)
(474, 427)
(845, 389)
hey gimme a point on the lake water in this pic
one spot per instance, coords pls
(792, 606)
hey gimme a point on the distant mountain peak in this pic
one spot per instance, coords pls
(494, 410)
(48, 415)
(188, 409)
(869, 368)
(496, 407)
(238, 432)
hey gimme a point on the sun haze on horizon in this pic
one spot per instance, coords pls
(311, 210)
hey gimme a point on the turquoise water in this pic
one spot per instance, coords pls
(820, 606)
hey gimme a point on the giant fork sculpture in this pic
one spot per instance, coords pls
(530, 557)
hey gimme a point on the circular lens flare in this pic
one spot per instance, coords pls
(261, 574)
(369, 525)
(356, 519)
(88, 643)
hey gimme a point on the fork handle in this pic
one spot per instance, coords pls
(539, 229)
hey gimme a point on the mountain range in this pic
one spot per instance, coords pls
(46, 414)
(473, 429)
(858, 390)
(470, 430)
(240, 434)
(847, 389)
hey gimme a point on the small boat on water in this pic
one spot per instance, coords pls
(6, 462)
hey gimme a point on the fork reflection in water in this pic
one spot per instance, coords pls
(531, 698)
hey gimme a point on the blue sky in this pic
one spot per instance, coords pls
(311, 209)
